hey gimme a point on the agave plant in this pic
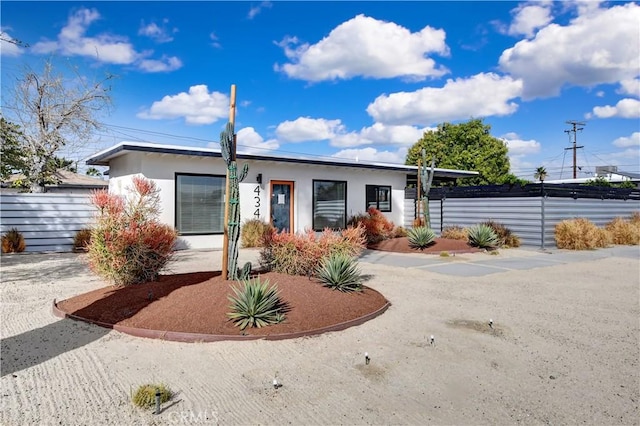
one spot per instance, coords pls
(482, 236)
(340, 272)
(420, 237)
(255, 304)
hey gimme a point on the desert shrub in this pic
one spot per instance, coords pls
(13, 241)
(504, 234)
(623, 232)
(82, 239)
(420, 237)
(455, 233)
(482, 236)
(128, 244)
(580, 234)
(253, 233)
(635, 218)
(145, 395)
(301, 254)
(399, 232)
(377, 226)
(255, 304)
(340, 272)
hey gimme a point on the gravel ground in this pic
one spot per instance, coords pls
(564, 349)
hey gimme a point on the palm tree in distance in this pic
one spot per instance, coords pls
(540, 174)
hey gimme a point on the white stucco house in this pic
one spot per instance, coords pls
(294, 194)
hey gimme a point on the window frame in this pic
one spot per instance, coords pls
(377, 201)
(313, 203)
(175, 203)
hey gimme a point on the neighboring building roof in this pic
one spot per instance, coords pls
(616, 177)
(103, 157)
(68, 179)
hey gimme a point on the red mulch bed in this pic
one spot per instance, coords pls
(198, 303)
(401, 245)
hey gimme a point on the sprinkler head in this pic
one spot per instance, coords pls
(490, 323)
(366, 358)
(276, 385)
(432, 340)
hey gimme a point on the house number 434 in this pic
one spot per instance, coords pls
(256, 198)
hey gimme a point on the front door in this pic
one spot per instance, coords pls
(282, 205)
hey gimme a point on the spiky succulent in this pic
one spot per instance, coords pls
(482, 236)
(420, 237)
(255, 304)
(340, 272)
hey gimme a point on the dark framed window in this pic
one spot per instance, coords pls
(329, 204)
(379, 196)
(200, 204)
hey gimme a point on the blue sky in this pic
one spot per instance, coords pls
(351, 79)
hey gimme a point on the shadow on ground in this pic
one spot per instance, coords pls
(42, 344)
(50, 266)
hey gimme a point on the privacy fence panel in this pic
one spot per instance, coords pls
(521, 215)
(600, 212)
(522, 209)
(48, 222)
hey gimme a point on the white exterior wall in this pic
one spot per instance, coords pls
(162, 168)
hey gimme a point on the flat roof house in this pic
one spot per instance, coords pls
(294, 194)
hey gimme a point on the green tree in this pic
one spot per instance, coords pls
(92, 171)
(540, 174)
(11, 156)
(465, 146)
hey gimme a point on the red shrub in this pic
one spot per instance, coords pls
(377, 226)
(301, 254)
(128, 244)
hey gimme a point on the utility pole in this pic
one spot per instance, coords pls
(574, 129)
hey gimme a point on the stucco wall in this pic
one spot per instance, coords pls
(162, 169)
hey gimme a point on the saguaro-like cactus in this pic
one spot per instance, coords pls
(228, 149)
(426, 179)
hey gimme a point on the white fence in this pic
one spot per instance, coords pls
(532, 219)
(48, 222)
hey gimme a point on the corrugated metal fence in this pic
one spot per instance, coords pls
(525, 216)
(48, 222)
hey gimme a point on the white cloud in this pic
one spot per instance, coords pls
(625, 108)
(160, 34)
(107, 48)
(198, 106)
(372, 154)
(630, 87)
(308, 129)
(8, 45)
(628, 142)
(249, 141)
(519, 146)
(214, 41)
(380, 134)
(255, 10)
(528, 18)
(520, 152)
(164, 64)
(482, 95)
(594, 48)
(367, 47)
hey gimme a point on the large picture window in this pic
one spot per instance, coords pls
(329, 204)
(199, 204)
(379, 197)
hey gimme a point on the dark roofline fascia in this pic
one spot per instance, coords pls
(99, 160)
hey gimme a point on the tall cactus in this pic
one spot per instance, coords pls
(227, 145)
(426, 179)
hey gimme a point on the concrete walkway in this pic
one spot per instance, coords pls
(479, 264)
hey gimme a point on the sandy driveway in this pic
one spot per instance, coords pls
(564, 350)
